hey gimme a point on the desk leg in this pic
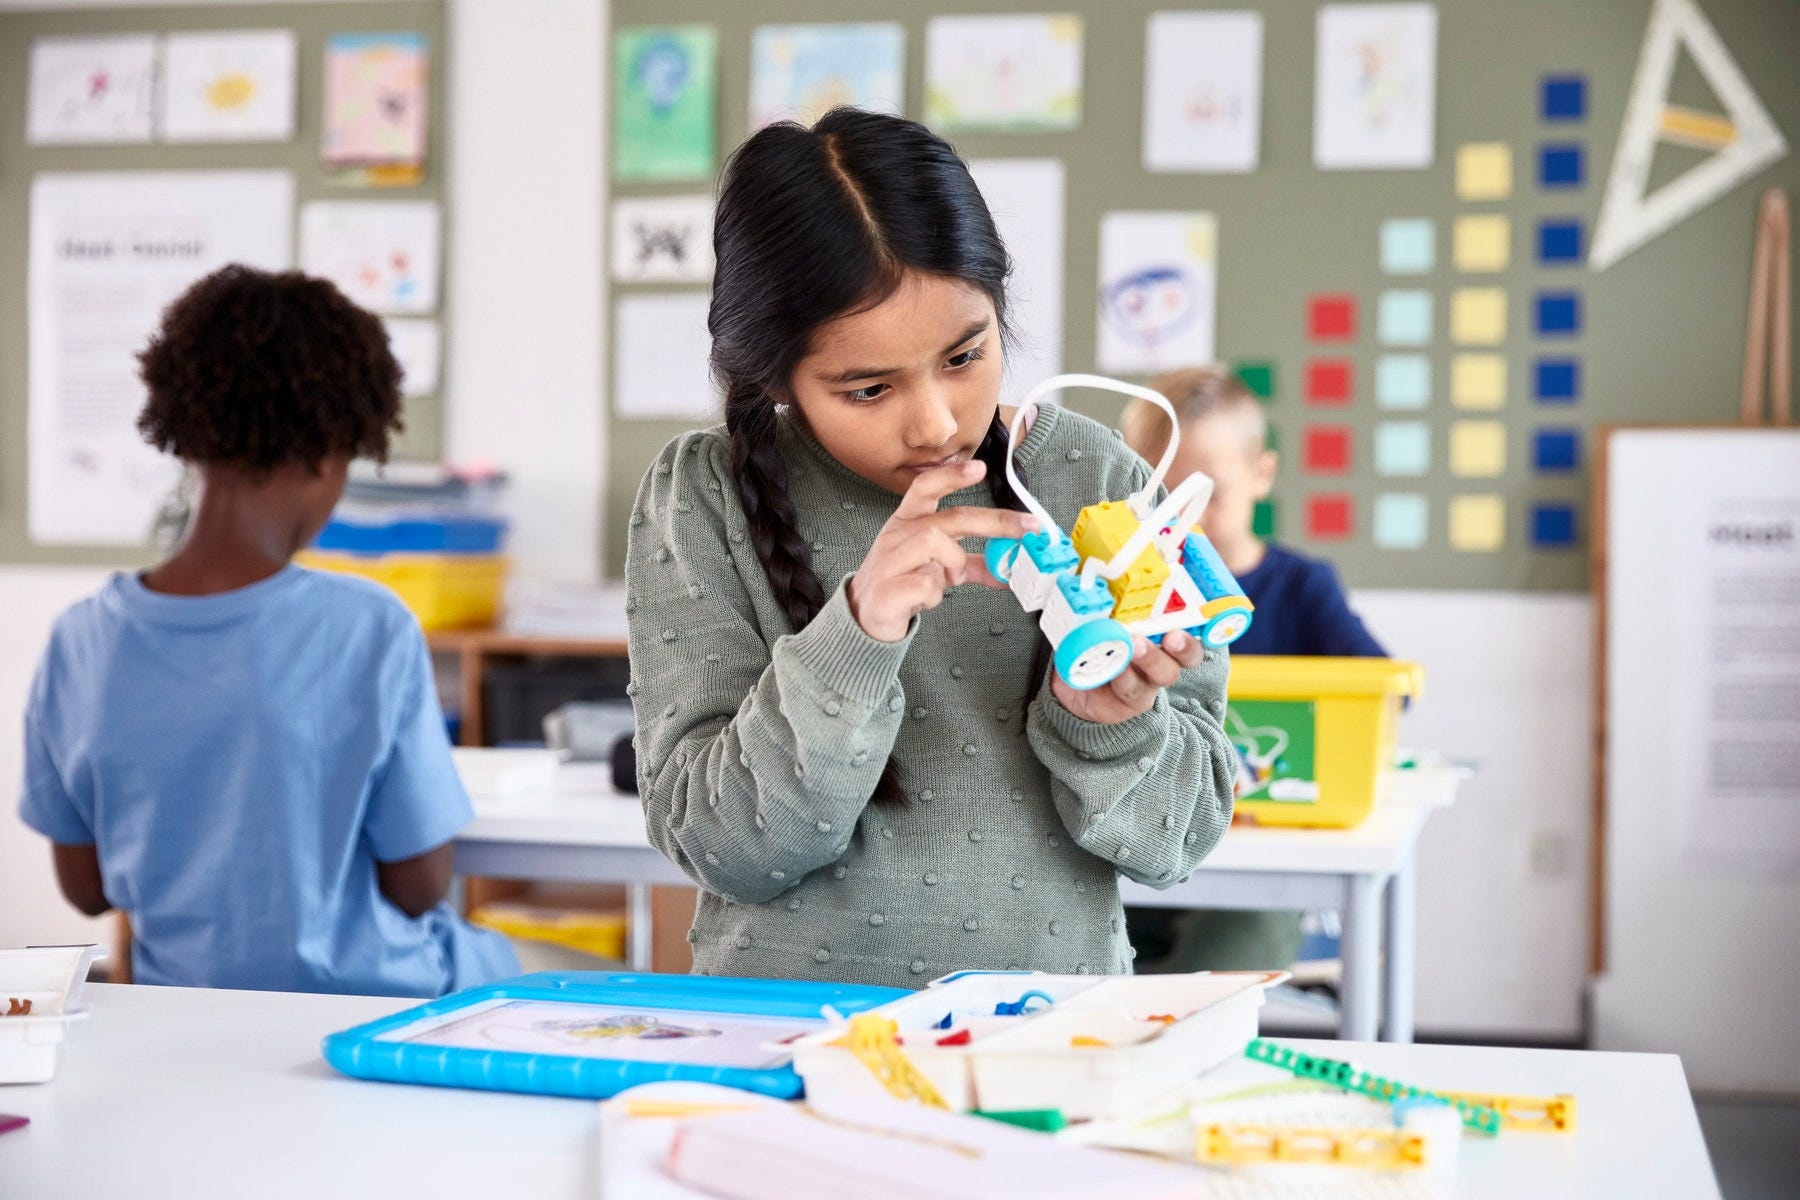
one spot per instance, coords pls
(1359, 1000)
(637, 926)
(1397, 980)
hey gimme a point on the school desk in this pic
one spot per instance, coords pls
(581, 830)
(171, 1092)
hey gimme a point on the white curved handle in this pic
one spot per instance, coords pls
(1056, 383)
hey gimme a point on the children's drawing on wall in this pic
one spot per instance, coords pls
(375, 100)
(91, 89)
(665, 82)
(228, 87)
(1158, 279)
(1019, 73)
(662, 240)
(612, 1032)
(1375, 89)
(383, 255)
(1202, 91)
(799, 72)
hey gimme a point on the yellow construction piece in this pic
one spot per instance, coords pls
(1540, 1114)
(875, 1041)
(1701, 130)
(1100, 531)
(1243, 1145)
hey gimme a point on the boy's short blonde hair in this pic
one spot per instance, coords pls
(1194, 392)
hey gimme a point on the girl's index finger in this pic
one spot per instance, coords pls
(969, 521)
(932, 486)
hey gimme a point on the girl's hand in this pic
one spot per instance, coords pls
(916, 557)
(1152, 669)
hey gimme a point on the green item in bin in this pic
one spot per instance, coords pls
(1043, 1120)
(1274, 740)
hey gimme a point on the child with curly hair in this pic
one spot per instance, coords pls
(245, 756)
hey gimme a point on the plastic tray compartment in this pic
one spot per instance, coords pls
(48, 979)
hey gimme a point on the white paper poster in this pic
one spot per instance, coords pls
(1026, 198)
(382, 254)
(1202, 91)
(662, 240)
(228, 87)
(799, 72)
(1158, 283)
(108, 252)
(416, 345)
(660, 349)
(1018, 73)
(91, 89)
(1375, 87)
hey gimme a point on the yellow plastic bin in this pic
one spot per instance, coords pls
(445, 591)
(1313, 734)
(601, 934)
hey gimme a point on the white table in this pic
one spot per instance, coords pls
(584, 831)
(189, 1095)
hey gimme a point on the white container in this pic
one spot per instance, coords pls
(1033, 1060)
(49, 978)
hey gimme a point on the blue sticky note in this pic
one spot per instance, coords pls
(1560, 165)
(1564, 97)
(1556, 450)
(1557, 313)
(1402, 448)
(1404, 318)
(1402, 381)
(1553, 525)
(1408, 245)
(1559, 241)
(1556, 380)
(1400, 521)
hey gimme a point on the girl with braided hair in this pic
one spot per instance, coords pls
(847, 732)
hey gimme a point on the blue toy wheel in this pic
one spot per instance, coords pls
(1001, 554)
(1093, 653)
(1225, 628)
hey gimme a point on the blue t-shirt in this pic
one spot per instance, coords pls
(1300, 609)
(242, 761)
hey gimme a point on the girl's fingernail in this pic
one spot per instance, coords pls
(1030, 523)
(1176, 641)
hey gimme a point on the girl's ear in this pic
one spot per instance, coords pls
(1262, 473)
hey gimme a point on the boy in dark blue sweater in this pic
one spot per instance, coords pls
(1300, 609)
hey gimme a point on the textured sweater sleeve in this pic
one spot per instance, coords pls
(1153, 794)
(756, 753)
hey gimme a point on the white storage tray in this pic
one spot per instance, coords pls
(49, 978)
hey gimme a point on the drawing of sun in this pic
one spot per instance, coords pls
(230, 92)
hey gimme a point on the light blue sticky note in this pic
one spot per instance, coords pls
(1408, 245)
(1405, 318)
(1402, 381)
(1401, 521)
(1402, 448)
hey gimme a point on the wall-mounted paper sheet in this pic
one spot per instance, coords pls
(660, 348)
(417, 345)
(662, 239)
(798, 72)
(383, 254)
(1019, 73)
(228, 87)
(1158, 284)
(1202, 91)
(108, 252)
(91, 89)
(1026, 198)
(1375, 86)
(375, 99)
(664, 96)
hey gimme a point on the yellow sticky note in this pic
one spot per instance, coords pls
(1478, 381)
(1484, 171)
(1477, 523)
(1478, 316)
(1482, 243)
(1477, 449)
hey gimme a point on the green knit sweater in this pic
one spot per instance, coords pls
(759, 747)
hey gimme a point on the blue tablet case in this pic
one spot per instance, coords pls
(359, 1052)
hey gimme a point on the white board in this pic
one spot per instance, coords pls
(1702, 857)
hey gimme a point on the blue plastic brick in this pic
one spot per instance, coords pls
(1556, 450)
(1556, 381)
(1552, 525)
(1050, 554)
(1557, 313)
(1090, 600)
(1564, 98)
(1559, 241)
(1561, 165)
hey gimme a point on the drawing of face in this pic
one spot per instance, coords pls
(662, 71)
(1152, 305)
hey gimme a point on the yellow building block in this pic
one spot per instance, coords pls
(1099, 533)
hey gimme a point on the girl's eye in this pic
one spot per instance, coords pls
(867, 395)
(964, 359)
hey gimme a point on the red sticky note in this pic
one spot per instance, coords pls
(1329, 381)
(1326, 449)
(1329, 517)
(1331, 316)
